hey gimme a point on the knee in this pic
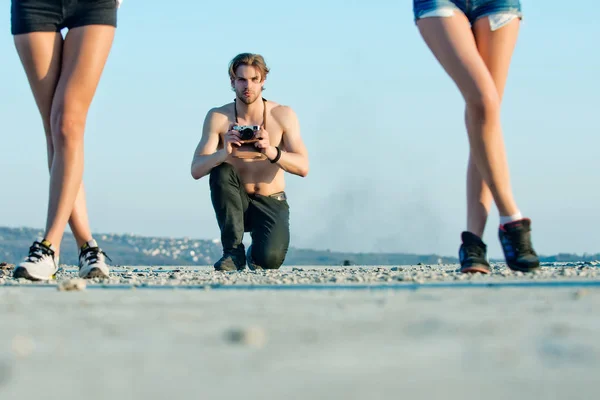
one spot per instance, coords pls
(484, 105)
(266, 258)
(221, 174)
(67, 128)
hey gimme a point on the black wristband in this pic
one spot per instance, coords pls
(277, 157)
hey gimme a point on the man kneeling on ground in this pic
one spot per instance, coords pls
(246, 147)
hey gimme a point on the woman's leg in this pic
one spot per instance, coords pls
(496, 49)
(79, 67)
(454, 45)
(41, 56)
(85, 52)
(452, 42)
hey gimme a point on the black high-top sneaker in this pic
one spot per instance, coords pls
(515, 238)
(473, 254)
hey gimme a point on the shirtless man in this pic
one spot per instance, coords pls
(247, 187)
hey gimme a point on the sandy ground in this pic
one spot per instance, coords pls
(454, 342)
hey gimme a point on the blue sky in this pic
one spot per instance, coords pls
(382, 122)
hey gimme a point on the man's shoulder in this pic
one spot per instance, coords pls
(217, 118)
(281, 112)
(223, 110)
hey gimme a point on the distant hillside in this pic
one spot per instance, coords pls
(122, 249)
(141, 250)
(133, 250)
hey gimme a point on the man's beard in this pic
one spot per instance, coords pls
(248, 100)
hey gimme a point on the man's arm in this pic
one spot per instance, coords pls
(295, 157)
(206, 156)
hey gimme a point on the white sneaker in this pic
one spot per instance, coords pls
(40, 265)
(92, 261)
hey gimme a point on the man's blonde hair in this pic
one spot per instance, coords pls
(255, 60)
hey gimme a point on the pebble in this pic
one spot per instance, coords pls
(74, 284)
(6, 266)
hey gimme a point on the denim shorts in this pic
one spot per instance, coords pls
(473, 9)
(53, 15)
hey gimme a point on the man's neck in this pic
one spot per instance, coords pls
(250, 112)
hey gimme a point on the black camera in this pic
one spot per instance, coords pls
(248, 133)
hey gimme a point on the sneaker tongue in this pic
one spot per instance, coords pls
(91, 243)
(46, 243)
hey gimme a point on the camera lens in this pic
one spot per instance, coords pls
(246, 134)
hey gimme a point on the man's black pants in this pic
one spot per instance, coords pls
(265, 217)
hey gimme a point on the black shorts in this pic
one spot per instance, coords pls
(53, 15)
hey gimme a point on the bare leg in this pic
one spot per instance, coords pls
(496, 49)
(453, 44)
(41, 56)
(85, 52)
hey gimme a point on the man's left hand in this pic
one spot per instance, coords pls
(264, 145)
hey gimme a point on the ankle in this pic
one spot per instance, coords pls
(82, 243)
(506, 219)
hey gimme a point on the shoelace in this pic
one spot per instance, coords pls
(37, 251)
(92, 254)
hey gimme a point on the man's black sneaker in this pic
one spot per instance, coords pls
(231, 261)
(473, 254)
(515, 238)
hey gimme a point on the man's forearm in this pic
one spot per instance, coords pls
(202, 165)
(293, 163)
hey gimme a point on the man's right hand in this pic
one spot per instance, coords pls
(231, 138)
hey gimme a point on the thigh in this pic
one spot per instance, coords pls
(452, 42)
(269, 223)
(85, 52)
(496, 47)
(41, 54)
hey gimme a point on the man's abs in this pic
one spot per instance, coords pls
(260, 177)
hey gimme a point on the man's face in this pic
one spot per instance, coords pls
(248, 84)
